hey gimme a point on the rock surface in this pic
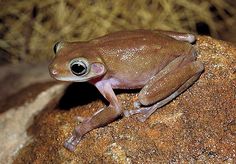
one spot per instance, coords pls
(26, 90)
(198, 126)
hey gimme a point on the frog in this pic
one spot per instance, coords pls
(162, 64)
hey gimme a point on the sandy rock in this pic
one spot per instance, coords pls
(15, 122)
(198, 126)
(26, 90)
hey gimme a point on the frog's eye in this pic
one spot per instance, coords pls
(78, 67)
(56, 47)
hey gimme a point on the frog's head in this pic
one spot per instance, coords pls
(76, 62)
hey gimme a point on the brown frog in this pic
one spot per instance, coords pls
(162, 63)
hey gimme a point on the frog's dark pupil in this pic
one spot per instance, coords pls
(78, 69)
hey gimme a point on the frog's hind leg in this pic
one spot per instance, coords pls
(167, 85)
(148, 111)
(187, 37)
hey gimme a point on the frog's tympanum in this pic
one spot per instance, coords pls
(161, 63)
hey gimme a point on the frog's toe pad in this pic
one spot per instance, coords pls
(144, 114)
(72, 142)
(137, 104)
(128, 113)
(69, 146)
(142, 118)
(191, 38)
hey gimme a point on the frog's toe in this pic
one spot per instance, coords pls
(191, 38)
(72, 142)
(128, 113)
(143, 118)
(69, 146)
(137, 105)
(147, 113)
(144, 113)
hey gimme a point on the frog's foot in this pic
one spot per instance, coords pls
(144, 111)
(77, 135)
(137, 109)
(75, 138)
(128, 113)
(72, 142)
(147, 112)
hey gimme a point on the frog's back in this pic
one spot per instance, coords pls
(139, 53)
(134, 36)
(123, 36)
(138, 40)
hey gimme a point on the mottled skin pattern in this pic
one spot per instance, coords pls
(162, 63)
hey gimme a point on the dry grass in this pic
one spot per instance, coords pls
(29, 28)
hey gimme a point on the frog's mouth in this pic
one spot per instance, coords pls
(75, 78)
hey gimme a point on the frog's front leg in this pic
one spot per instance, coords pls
(100, 118)
(167, 85)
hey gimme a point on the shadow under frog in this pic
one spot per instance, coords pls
(78, 94)
(160, 63)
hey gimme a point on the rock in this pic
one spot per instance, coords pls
(198, 126)
(15, 122)
(23, 96)
(15, 77)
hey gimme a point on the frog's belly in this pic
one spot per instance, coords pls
(126, 83)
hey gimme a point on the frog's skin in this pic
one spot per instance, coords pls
(162, 63)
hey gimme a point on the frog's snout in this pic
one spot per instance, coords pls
(52, 70)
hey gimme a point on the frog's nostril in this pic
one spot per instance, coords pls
(54, 72)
